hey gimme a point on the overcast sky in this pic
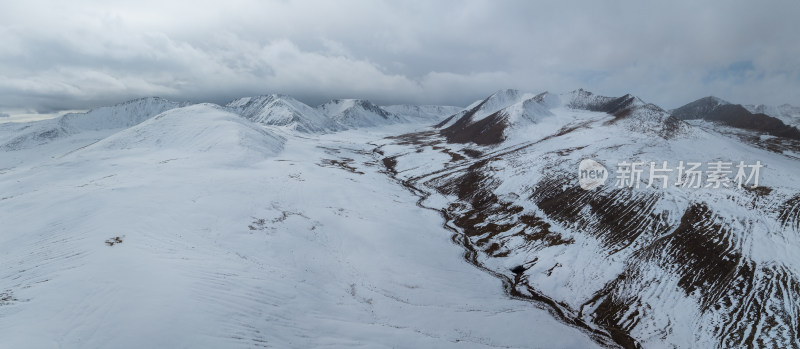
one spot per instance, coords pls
(62, 55)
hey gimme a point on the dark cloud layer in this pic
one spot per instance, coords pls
(75, 55)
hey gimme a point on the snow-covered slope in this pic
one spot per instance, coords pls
(25, 142)
(430, 113)
(118, 116)
(281, 110)
(200, 128)
(355, 113)
(200, 229)
(585, 100)
(493, 128)
(629, 111)
(646, 265)
(115, 117)
(488, 106)
(17, 136)
(490, 121)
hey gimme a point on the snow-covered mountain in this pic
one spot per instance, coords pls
(491, 120)
(787, 113)
(115, 117)
(199, 128)
(735, 115)
(355, 113)
(267, 223)
(118, 116)
(699, 108)
(336, 115)
(645, 265)
(424, 112)
(483, 108)
(629, 111)
(486, 124)
(55, 137)
(282, 110)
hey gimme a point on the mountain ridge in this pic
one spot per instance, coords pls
(285, 111)
(357, 113)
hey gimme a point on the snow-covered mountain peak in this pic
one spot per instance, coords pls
(203, 127)
(338, 106)
(357, 113)
(528, 111)
(507, 94)
(636, 114)
(100, 122)
(549, 100)
(514, 108)
(424, 112)
(738, 116)
(488, 106)
(712, 100)
(787, 113)
(498, 97)
(270, 99)
(489, 121)
(241, 102)
(582, 99)
(117, 116)
(499, 100)
(284, 111)
(698, 108)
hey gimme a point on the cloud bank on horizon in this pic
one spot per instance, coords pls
(81, 54)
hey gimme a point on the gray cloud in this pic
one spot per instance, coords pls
(4, 115)
(87, 53)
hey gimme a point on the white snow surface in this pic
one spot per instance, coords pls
(236, 235)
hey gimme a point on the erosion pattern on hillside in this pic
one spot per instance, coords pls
(647, 266)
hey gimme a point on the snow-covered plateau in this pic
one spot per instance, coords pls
(270, 223)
